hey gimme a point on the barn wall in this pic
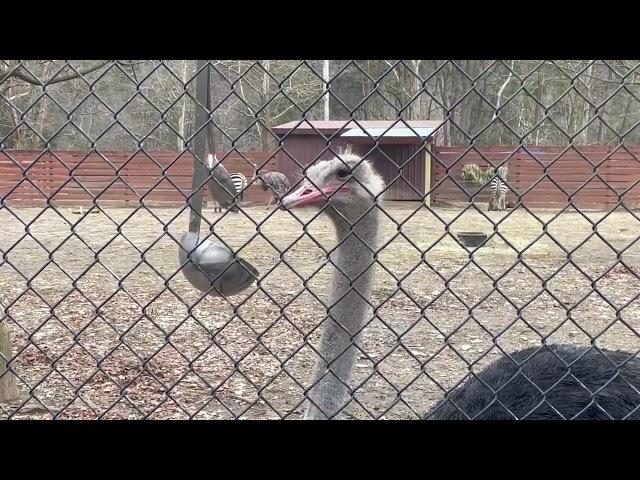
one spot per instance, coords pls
(402, 167)
(405, 185)
(303, 150)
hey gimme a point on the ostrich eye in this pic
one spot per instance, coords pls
(343, 173)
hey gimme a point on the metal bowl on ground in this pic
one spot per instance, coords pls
(471, 239)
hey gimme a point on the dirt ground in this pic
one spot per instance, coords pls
(124, 336)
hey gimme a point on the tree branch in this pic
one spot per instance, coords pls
(22, 74)
(604, 80)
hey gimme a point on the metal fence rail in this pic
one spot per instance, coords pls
(467, 218)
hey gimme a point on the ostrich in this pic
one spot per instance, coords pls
(277, 182)
(552, 382)
(538, 385)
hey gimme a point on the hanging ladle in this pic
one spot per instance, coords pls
(211, 268)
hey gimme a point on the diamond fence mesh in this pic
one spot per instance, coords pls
(474, 209)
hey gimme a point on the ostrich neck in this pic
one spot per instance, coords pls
(354, 260)
(348, 309)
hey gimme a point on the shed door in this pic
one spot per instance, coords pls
(400, 183)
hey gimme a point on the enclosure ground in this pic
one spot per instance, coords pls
(108, 329)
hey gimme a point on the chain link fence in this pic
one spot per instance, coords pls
(465, 212)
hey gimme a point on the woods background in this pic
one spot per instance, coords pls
(124, 105)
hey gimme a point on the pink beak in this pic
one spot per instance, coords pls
(310, 195)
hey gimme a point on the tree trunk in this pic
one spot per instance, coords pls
(265, 136)
(416, 110)
(501, 90)
(18, 134)
(41, 117)
(183, 112)
(537, 111)
(325, 83)
(8, 390)
(586, 111)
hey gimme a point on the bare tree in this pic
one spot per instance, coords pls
(113, 104)
(9, 69)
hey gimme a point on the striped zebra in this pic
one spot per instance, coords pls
(239, 182)
(499, 191)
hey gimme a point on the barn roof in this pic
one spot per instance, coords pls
(404, 132)
(335, 126)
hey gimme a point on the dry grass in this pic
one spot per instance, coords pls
(126, 338)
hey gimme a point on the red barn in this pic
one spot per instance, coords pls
(399, 149)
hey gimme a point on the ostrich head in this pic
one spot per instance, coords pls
(348, 184)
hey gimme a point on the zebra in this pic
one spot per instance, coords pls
(239, 182)
(499, 191)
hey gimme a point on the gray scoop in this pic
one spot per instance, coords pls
(213, 269)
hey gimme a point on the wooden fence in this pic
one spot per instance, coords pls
(594, 177)
(115, 178)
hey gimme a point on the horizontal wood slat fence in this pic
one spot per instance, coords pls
(594, 177)
(115, 178)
